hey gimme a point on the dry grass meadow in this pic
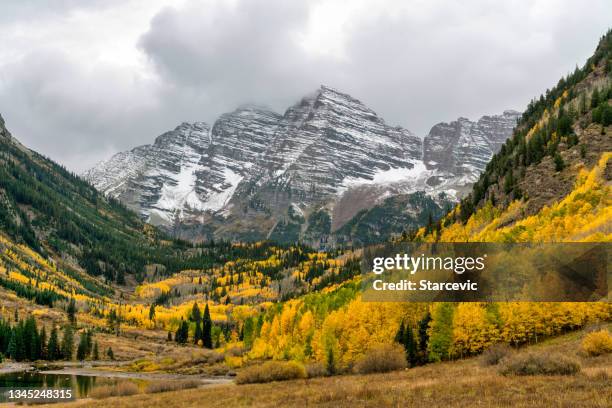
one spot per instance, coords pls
(449, 384)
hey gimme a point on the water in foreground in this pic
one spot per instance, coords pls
(81, 385)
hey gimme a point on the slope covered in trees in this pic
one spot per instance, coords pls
(561, 131)
(549, 183)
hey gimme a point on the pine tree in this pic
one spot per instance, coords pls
(197, 335)
(96, 353)
(207, 329)
(71, 310)
(82, 348)
(330, 363)
(424, 336)
(196, 316)
(182, 333)
(399, 336)
(17, 347)
(88, 341)
(152, 312)
(559, 164)
(42, 340)
(594, 98)
(53, 347)
(110, 354)
(67, 343)
(509, 182)
(12, 346)
(410, 346)
(30, 339)
(582, 105)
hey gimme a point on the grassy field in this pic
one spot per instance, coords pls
(450, 384)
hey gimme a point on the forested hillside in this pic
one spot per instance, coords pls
(52, 211)
(561, 132)
(550, 182)
(65, 220)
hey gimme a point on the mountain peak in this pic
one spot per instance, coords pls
(463, 147)
(196, 132)
(254, 164)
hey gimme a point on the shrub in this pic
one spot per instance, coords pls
(494, 354)
(122, 389)
(156, 387)
(271, 371)
(235, 351)
(540, 364)
(597, 343)
(316, 370)
(382, 359)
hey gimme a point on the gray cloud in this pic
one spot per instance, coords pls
(230, 55)
(29, 11)
(415, 63)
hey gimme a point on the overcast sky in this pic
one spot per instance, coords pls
(83, 79)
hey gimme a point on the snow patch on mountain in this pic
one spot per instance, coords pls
(219, 199)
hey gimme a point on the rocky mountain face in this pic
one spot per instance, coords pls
(256, 174)
(458, 152)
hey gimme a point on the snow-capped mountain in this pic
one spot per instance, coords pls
(456, 153)
(257, 174)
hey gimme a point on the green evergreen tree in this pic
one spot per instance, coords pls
(509, 182)
(595, 98)
(82, 348)
(71, 310)
(582, 105)
(30, 339)
(197, 335)
(42, 341)
(96, 353)
(12, 346)
(88, 342)
(67, 350)
(17, 345)
(559, 163)
(207, 329)
(152, 312)
(423, 333)
(182, 333)
(110, 354)
(53, 347)
(330, 361)
(196, 316)
(399, 336)
(410, 346)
